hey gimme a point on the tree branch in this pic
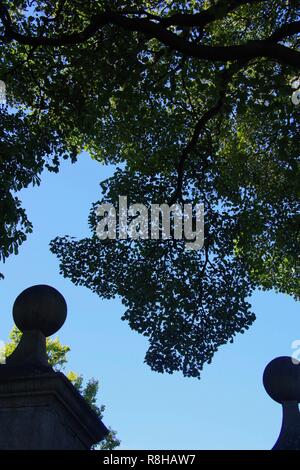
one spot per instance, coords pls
(285, 31)
(261, 48)
(226, 75)
(216, 12)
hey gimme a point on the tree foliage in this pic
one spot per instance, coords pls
(193, 100)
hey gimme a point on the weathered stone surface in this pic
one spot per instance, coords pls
(41, 410)
(282, 382)
(40, 308)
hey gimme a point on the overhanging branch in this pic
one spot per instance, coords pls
(267, 48)
(226, 76)
(216, 12)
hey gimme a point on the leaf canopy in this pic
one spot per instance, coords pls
(193, 101)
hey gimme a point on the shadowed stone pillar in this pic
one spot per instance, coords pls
(282, 382)
(40, 408)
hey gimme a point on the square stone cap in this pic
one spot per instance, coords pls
(27, 380)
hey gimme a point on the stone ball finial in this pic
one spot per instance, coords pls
(40, 308)
(282, 379)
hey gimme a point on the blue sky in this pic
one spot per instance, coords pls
(227, 409)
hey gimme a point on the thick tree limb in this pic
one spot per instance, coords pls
(260, 48)
(267, 48)
(205, 17)
(285, 31)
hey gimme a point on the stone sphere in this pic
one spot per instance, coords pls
(282, 379)
(40, 308)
